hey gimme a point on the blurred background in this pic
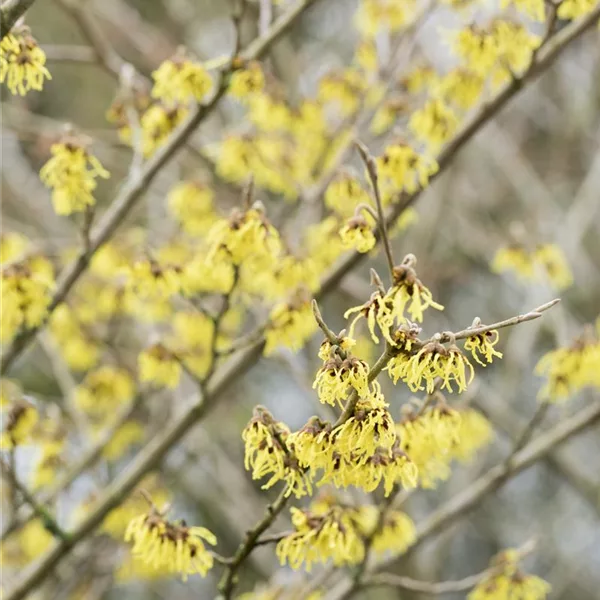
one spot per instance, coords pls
(534, 171)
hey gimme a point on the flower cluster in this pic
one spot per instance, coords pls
(71, 173)
(546, 262)
(22, 62)
(333, 531)
(267, 453)
(508, 582)
(27, 286)
(18, 424)
(170, 545)
(570, 369)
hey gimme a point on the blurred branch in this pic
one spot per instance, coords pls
(49, 523)
(10, 12)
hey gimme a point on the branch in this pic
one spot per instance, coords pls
(10, 12)
(47, 519)
(228, 581)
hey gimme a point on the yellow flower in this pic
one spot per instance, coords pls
(129, 434)
(26, 293)
(344, 194)
(18, 425)
(116, 522)
(390, 467)
(179, 79)
(429, 438)
(408, 292)
(366, 56)
(434, 124)
(71, 173)
(191, 205)
(12, 247)
(483, 345)
(77, 349)
(291, 324)
(460, 87)
(22, 62)
(247, 81)
(387, 15)
(104, 391)
(510, 583)
(160, 366)
(10, 392)
(312, 445)
(174, 546)
(477, 49)
(570, 369)
(513, 258)
(358, 235)
(401, 168)
(554, 263)
(338, 376)
(246, 237)
(474, 432)
(397, 531)
(149, 280)
(387, 115)
(573, 9)
(371, 428)
(266, 453)
(157, 123)
(319, 539)
(435, 360)
(48, 463)
(419, 79)
(378, 311)
(199, 276)
(31, 541)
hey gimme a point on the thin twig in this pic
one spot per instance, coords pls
(371, 166)
(10, 13)
(47, 519)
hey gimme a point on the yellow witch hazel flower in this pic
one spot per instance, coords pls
(104, 390)
(513, 258)
(18, 425)
(408, 293)
(159, 365)
(434, 124)
(434, 360)
(319, 538)
(378, 310)
(357, 234)
(370, 429)
(461, 88)
(180, 79)
(402, 169)
(551, 259)
(171, 545)
(22, 62)
(48, 463)
(573, 9)
(291, 324)
(71, 173)
(266, 453)
(190, 203)
(387, 15)
(428, 438)
(26, 288)
(344, 194)
(482, 346)
(474, 432)
(396, 533)
(510, 583)
(247, 81)
(338, 376)
(570, 369)
(312, 445)
(246, 237)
